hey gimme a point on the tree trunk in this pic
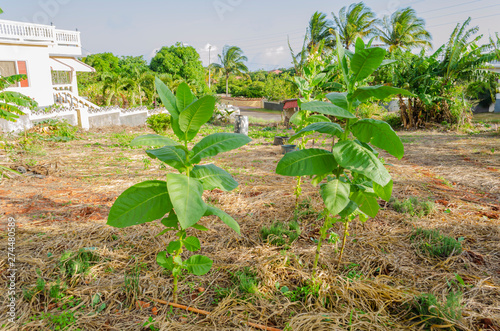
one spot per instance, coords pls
(227, 85)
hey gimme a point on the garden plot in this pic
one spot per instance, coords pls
(435, 245)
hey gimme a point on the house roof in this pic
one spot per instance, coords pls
(290, 103)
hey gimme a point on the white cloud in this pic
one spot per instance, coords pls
(153, 52)
(274, 51)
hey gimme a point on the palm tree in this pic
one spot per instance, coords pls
(231, 60)
(403, 29)
(115, 84)
(356, 21)
(320, 29)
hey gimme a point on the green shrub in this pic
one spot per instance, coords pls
(434, 243)
(393, 119)
(371, 110)
(281, 234)
(159, 123)
(56, 130)
(433, 312)
(413, 206)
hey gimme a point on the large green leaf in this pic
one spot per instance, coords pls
(228, 220)
(217, 143)
(317, 118)
(379, 92)
(192, 244)
(171, 155)
(383, 192)
(170, 102)
(167, 98)
(357, 158)
(198, 265)
(153, 140)
(213, 177)
(380, 134)
(338, 99)
(164, 261)
(327, 108)
(184, 96)
(312, 161)
(297, 117)
(349, 209)
(367, 203)
(195, 115)
(335, 194)
(141, 203)
(330, 128)
(365, 61)
(186, 197)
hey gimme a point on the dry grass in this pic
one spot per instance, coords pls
(373, 289)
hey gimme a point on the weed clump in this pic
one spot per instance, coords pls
(413, 206)
(433, 312)
(72, 263)
(435, 244)
(281, 234)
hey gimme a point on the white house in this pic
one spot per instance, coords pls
(48, 56)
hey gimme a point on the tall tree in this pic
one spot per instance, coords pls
(231, 62)
(403, 29)
(354, 21)
(181, 63)
(320, 29)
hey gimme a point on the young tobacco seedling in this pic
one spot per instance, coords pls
(181, 194)
(355, 175)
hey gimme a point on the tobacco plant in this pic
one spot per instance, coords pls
(355, 175)
(311, 82)
(178, 201)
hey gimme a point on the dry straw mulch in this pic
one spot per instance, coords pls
(374, 288)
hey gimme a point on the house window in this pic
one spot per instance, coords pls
(61, 77)
(9, 68)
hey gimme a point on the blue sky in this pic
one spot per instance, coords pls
(259, 27)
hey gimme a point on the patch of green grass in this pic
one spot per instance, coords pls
(281, 234)
(413, 206)
(434, 243)
(75, 263)
(445, 181)
(433, 312)
(300, 293)
(131, 284)
(62, 321)
(246, 280)
(122, 139)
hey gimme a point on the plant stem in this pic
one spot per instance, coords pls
(174, 294)
(322, 236)
(344, 239)
(298, 190)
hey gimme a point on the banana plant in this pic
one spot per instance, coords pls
(351, 176)
(178, 201)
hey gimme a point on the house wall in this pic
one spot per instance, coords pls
(242, 102)
(273, 105)
(38, 68)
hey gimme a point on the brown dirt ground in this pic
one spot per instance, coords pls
(67, 210)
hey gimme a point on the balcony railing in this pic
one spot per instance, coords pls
(37, 33)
